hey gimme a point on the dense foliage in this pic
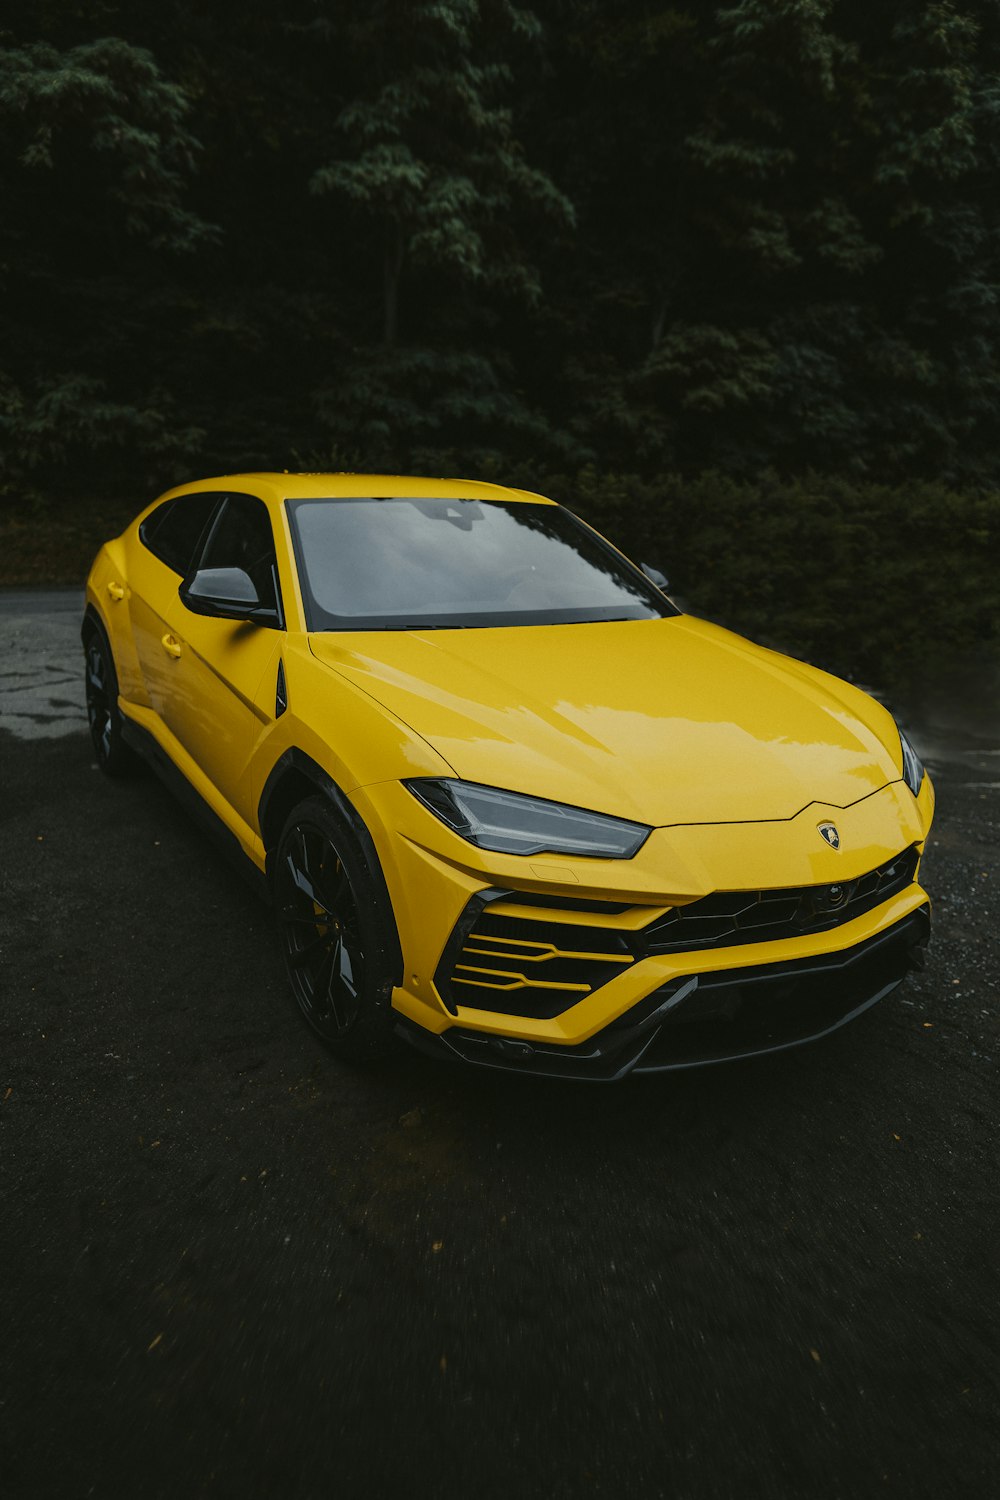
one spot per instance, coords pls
(427, 233)
(889, 584)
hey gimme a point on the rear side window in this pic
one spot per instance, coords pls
(175, 528)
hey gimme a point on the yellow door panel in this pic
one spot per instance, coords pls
(158, 551)
(153, 593)
(216, 675)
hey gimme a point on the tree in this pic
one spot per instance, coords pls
(428, 158)
(933, 117)
(93, 146)
(774, 244)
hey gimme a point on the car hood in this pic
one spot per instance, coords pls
(667, 721)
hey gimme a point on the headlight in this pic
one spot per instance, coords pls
(511, 824)
(913, 766)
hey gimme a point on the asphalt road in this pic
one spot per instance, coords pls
(230, 1266)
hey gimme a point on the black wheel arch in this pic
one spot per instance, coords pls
(296, 776)
(92, 624)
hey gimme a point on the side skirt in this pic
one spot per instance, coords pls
(143, 743)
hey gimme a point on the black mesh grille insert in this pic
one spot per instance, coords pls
(728, 918)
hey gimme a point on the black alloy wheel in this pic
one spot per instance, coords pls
(326, 904)
(101, 681)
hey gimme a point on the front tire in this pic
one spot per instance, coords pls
(334, 923)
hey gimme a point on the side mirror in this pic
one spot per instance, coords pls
(655, 576)
(225, 593)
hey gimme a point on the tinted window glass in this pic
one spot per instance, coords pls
(404, 564)
(242, 538)
(174, 530)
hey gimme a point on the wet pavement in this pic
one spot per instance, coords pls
(231, 1266)
(41, 686)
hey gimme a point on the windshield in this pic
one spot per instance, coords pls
(405, 564)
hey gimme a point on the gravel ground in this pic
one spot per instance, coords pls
(231, 1266)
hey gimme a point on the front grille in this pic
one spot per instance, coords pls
(524, 967)
(729, 918)
(514, 955)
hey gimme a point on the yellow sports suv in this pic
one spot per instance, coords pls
(508, 801)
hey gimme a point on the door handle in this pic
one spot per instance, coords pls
(171, 645)
(116, 591)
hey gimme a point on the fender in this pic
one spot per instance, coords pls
(296, 775)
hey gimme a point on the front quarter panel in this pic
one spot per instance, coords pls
(346, 732)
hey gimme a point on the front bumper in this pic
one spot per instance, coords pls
(711, 1017)
(435, 879)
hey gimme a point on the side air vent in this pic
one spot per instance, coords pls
(501, 961)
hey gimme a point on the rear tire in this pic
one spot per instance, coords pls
(101, 680)
(335, 925)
